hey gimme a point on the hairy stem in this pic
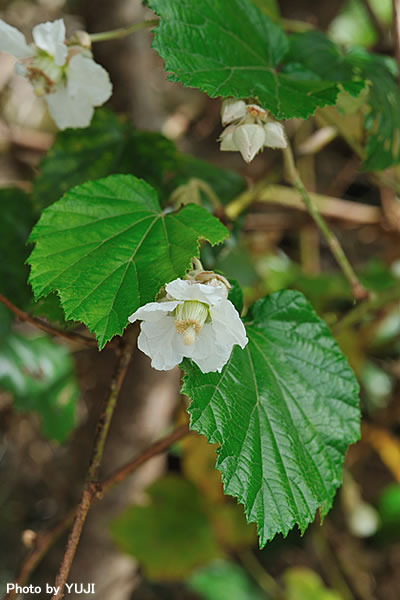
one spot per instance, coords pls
(45, 541)
(91, 487)
(40, 324)
(359, 292)
(116, 34)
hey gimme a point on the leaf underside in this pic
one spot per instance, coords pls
(283, 410)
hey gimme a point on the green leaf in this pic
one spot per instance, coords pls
(283, 410)
(269, 7)
(382, 121)
(40, 375)
(110, 146)
(304, 584)
(78, 155)
(223, 580)
(171, 535)
(233, 49)
(107, 248)
(16, 222)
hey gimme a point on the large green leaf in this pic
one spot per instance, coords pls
(110, 146)
(230, 48)
(283, 410)
(317, 53)
(16, 222)
(107, 248)
(40, 375)
(171, 535)
(78, 155)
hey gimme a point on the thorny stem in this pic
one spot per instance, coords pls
(116, 34)
(46, 540)
(40, 324)
(359, 292)
(91, 487)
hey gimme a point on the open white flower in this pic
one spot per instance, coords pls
(249, 129)
(66, 75)
(195, 320)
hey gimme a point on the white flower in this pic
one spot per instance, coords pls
(66, 75)
(249, 129)
(195, 320)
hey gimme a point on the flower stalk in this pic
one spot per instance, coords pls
(116, 34)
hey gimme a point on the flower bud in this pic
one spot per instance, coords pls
(274, 135)
(226, 139)
(232, 110)
(249, 140)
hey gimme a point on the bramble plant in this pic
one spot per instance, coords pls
(122, 227)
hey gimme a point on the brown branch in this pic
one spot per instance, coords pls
(46, 540)
(91, 488)
(40, 324)
(157, 448)
(396, 35)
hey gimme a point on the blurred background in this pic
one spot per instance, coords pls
(169, 532)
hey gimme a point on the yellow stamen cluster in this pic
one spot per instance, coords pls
(189, 320)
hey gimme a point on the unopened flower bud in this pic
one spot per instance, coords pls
(232, 110)
(275, 135)
(249, 140)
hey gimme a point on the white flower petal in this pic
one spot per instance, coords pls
(87, 79)
(217, 357)
(160, 342)
(227, 324)
(232, 110)
(153, 311)
(13, 41)
(226, 139)
(50, 37)
(249, 139)
(68, 111)
(275, 135)
(202, 346)
(186, 290)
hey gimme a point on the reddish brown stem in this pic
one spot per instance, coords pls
(39, 324)
(46, 540)
(91, 487)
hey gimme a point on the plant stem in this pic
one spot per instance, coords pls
(40, 324)
(260, 575)
(91, 487)
(46, 540)
(116, 34)
(380, 178)
(359, 312)
(396, 35)
(359, 292)
(378, 26)
(157, 448)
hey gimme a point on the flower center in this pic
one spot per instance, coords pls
(189, 319)
(44, 74)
